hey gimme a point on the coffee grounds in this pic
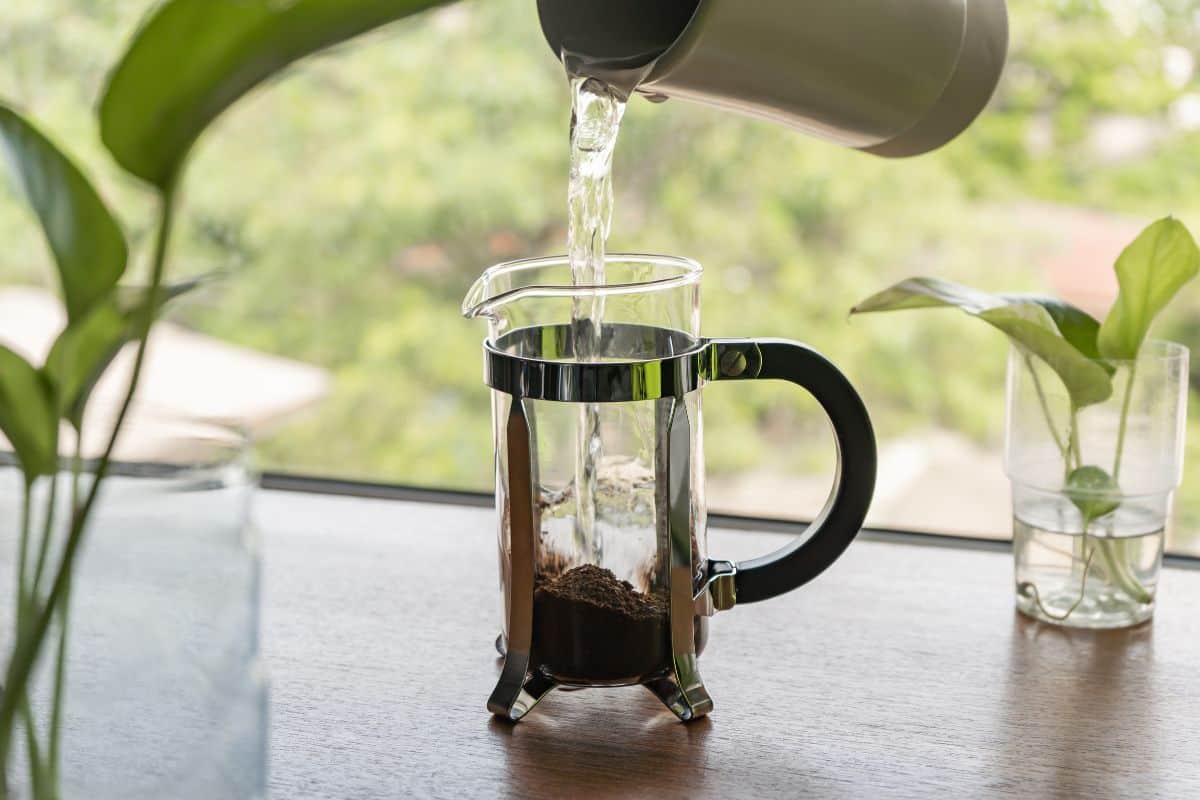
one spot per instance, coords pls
(590, 626)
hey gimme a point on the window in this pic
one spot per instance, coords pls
(351, 204)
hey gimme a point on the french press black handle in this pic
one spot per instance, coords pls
(840, 521)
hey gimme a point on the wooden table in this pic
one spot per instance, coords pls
(901, 672)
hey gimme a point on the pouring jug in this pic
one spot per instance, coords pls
(624, 597)
(891, 77)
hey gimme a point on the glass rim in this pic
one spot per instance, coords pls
(177, 435)
(687, 271)
(1153, 350)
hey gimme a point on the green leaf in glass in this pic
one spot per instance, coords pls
(88, 245)
(192, 59)
(1150, 271)
(27, 416)
(1093, 491)
(1026, 321)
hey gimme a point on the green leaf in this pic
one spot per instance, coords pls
(929, 293)
(1093, 491)
(27, 416)
(192, 59)
(1076, 325)
(84, 350)
(1027, 322)
(80, 355)
(1030, 326)
(88, 245)
(131, 298)
(1150, 271)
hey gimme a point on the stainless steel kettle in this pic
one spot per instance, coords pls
(890, 77)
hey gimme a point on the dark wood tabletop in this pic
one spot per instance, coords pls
(903, 671)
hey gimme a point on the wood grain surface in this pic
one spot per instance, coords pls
(901, 672)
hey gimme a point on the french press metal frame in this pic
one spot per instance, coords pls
(688, 366)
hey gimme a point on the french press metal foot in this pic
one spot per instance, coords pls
(519, 690)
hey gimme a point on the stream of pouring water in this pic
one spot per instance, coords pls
(595, 120)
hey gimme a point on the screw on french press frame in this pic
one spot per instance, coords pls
(733, 363)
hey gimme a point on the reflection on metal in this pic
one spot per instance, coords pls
(674, 365)
(683, 692)
(514, 695)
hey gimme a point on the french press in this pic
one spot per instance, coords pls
(623, 597)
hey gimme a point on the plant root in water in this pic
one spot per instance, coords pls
(1028, 588)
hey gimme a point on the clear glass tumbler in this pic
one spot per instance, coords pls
(1092, 487)
(604, 567)
(164, 690)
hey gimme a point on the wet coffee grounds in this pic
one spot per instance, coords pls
(590, 626)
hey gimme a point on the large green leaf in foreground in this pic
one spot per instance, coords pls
(88, 246)
(1150, 271)
(1025, 320)
(192, 59)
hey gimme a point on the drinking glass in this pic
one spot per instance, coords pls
(1092, 488)
(164, 689)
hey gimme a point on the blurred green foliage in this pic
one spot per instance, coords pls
(356, 199)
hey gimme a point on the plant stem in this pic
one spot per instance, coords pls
(1117, 566)
(53, 758)
(21, 624)
(1116, 470)
(1073, 439)
(23, 553)
(47, 535)
(1087, 565)
(28, 648)
(56, 708)
(37, 772)
(1041, 395)
(25, 602)
(1116, 561)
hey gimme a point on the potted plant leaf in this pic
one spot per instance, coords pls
(188, 62)
(1094, 434)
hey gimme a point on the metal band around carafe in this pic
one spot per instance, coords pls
(550, 376)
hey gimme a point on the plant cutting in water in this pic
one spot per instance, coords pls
(188, 62)
(1089, 358)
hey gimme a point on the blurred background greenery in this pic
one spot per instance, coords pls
(353, 202)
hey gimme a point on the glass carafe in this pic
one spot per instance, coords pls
(604, 569)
